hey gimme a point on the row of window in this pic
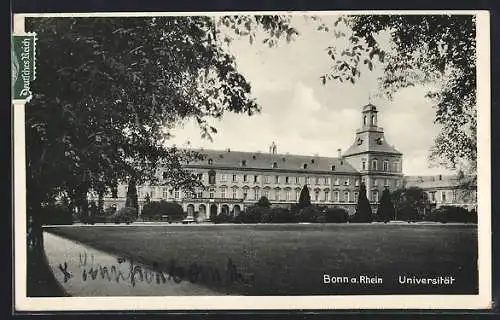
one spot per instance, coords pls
(278, 179)
(385, 165)
(273, 195)
(151, 191)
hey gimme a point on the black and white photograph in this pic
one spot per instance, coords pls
(226, 160)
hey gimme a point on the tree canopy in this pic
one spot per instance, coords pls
(109, 91)
(425, 49)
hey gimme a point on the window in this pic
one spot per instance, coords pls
(356, 195)
(223, 193)
(287, 195)
(277, 179)
(243, 163)
(346, 182)
(234, 178)
(375, 196)
(211, 193)
(396, 166)
(385, 165)
(211, 177)
(316, 195)
(433, 196)
(153, 193)
(176, 194)
(375, 182)
(297, 195)
(337, 181)
(210, 162)
(275, 165)
(223, 178)
(326, 195)
(268, 179)
(317, 180)
(363, 165)
(336, 196)
(374, 164)
(265, 193)
(297, 180)
(256, 194)
(165, 193)
(356, 183)
(325, 181)
(333, 167)
(200, 194)
(286, 180)
(309, 180)
(346, 196)
(305, 166)
(386, 182)
(443, 196)
(277, 194)
(244, 178)
(255, 179)
(235, 193)
(398, 183)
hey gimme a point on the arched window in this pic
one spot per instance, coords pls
(275, 165)
(364, 120)
(305, 166)
(333, 168)
(210, 162)
(373, 120)
(211, 177)
(374, 164)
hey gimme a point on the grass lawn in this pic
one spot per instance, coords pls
(291, 259)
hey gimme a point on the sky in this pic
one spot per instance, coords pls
(303, 116)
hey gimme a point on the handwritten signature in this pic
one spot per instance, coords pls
(194, 273)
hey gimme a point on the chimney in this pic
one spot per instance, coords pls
(339, 152)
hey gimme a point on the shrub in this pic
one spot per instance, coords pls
(385, 210)
(277, 215)
(57, 214)
(333, 215)
(254, 214)
(363, 208)
(453, 214)
(304, 198)
(263, 202)
(156, 209)
(223, 218)
(125, 214)
(307, 214)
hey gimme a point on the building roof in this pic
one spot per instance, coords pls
(370, 107)
(261, 160)
(436, 181)
(370, 146)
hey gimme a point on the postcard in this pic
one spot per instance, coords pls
(252, 160)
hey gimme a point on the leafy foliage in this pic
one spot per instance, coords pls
(385, 210)
(263, 202)
(156, 209)
(304, 198)
(411, 203)
(363, 208)
(426, 49)
(333, 215)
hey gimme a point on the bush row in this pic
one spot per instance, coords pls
(313, 214)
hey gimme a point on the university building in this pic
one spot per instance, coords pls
(234, 180)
